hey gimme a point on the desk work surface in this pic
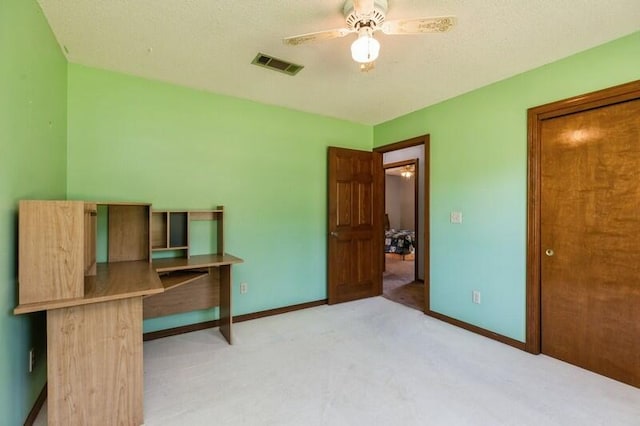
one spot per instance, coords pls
(200, 261)
(113, 281)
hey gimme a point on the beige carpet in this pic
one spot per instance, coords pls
(399, 284)
(369, 362)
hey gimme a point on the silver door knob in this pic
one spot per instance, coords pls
(334, 234)
(548, 252)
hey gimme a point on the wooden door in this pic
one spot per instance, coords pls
(355, 224)
(590, 239)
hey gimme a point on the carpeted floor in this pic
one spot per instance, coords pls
(399, 284)
(368, 362)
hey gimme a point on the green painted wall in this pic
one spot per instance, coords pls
(479, 166)
(33, 126)
(136, 139)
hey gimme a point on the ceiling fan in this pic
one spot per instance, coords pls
(366, 17)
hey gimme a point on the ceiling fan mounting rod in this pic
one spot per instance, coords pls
(365, 24)
(373, 19)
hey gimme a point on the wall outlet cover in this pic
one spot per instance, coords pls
(456, 217)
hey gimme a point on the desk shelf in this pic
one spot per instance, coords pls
(191, 282)
(176, 279)
(170, 229)
(199, 282)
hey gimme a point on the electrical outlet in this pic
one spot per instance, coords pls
(475, 297)
(32, 360)
(456, 217)
(244, 288)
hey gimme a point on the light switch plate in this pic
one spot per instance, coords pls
(456, 217)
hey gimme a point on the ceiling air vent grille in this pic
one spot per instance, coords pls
(276, 64)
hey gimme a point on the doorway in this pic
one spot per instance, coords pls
(583, 262)
(399, 282)
(406, 268)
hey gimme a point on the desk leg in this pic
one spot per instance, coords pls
(94, 362)
(225, 302)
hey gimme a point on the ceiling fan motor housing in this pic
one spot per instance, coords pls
(373, 20)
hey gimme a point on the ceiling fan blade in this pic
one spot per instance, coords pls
(317, 36)
(363, 7)
(438, 24)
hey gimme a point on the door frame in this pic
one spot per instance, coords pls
(408, 143)
(535, 117)
(416, 223)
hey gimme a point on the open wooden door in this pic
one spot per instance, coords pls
(355, 224)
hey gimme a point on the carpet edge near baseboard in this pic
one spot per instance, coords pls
(239, 318)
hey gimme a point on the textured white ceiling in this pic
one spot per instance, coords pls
(209, 44)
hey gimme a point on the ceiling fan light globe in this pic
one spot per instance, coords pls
(365, 48)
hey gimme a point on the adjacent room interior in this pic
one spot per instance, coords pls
(155, 111)
(399, 279)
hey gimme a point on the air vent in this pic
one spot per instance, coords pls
(276, 64)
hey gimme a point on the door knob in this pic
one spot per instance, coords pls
(334, 234)
(548, 252)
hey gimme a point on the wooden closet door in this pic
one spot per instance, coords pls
(590, 240)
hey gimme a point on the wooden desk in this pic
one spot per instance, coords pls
(94, 343)
(95, 311)
(94, 347)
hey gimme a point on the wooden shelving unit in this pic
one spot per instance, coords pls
(170, 229)
(191, 282)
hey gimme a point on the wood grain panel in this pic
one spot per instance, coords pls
(51, 237)
(159, 230)
(343, 203)
(355, 244)
(590, 285)
(194, 262)
(364, 199)
(94, 362)
(226, 318)
(201, 293)
(220, 230)
(90, 236)
(112, 282)
(340, 271)
(180, 278)
(128, 232)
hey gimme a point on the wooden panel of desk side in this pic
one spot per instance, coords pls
(95, 364)
(51, 238)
